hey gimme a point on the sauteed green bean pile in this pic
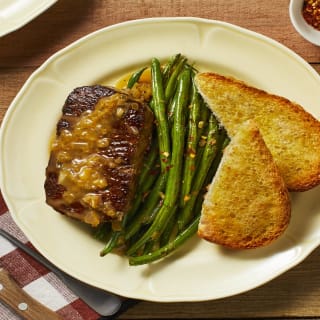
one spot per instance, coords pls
(183, 157)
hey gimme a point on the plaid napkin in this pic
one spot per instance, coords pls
(35, 279)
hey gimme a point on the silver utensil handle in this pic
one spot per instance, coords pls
(101, 301)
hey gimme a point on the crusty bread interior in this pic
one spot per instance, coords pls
(247, 204)
(291, 133)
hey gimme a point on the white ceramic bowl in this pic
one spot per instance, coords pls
(304, 29)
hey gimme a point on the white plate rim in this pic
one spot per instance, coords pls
(308, 247)
(15, 22)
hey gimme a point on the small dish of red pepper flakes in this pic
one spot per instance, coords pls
(305, 17)
(311, 12)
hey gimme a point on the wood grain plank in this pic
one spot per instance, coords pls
(316, 66)
(11, 80)
(68, 20)
(296, 293)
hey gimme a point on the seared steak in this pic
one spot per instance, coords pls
(97, 154)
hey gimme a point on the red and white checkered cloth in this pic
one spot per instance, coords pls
(35, 279)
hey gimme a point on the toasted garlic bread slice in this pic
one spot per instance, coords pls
(291, 133)
(247, 204)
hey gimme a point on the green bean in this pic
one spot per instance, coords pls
(172, 105)
(159, 108)
(149, 164)
(172, 188)
(135, 77)
(102, 232)
(113, 242)
(168, 248)
(210, 152)
(138, 200)
(169, 231)
(149, 209)
(178, 139)
(216, 161)
(203, 131)
(149, 247)
(169, 67)
(225, 141)
(150, 167)
(192, 143)
(170, 87)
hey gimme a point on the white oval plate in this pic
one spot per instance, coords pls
(16, 13)
(199, 270)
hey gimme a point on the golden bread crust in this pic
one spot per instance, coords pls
(247, 204)
(291, 133)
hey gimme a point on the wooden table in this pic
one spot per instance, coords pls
(295, 294)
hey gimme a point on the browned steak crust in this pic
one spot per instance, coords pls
(79, 100)
(97, 154)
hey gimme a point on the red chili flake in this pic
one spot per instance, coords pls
(154, 171)
(145, 194)
(191, 152)
(311, 13)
